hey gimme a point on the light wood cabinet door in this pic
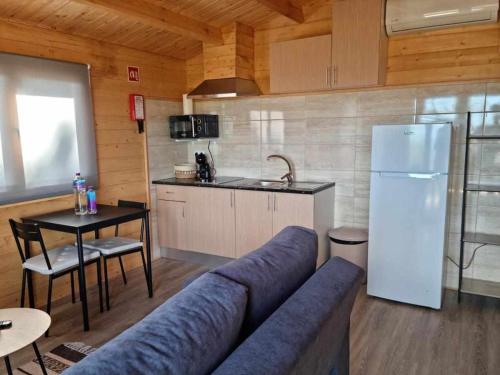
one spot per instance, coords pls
(223, 222)
(292, 209)
(359, 43)
(254, 220)
(172, 224)
(211, 218)
(301, 64)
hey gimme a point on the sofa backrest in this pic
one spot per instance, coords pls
(273, 272)
(309, 333)
(190, 334)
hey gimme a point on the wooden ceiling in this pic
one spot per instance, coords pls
(173, 28)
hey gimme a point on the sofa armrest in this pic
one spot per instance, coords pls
(188, 280)
(307, 334)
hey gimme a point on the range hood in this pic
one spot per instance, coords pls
(225, 88)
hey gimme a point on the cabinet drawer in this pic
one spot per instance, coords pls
(172, 193)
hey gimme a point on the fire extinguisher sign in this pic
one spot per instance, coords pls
(133, 73)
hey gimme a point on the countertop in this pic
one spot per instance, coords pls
(298, 187)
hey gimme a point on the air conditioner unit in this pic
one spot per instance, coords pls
(404, 16)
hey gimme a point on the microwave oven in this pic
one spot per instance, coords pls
(194, 126)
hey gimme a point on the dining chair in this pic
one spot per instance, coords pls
(117, 247)
(53, 263)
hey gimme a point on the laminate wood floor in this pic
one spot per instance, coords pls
(386, 337)
(390, 338)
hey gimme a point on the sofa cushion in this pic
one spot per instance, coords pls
(191, 333)
(308, 334)
(273, 272)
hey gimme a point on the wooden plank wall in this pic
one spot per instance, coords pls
(234, 58)
(121, 150)
(448, 55)
(457, 54)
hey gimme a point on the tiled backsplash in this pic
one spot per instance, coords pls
(328, 137)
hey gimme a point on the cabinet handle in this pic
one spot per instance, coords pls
(335, 75)
(275, 204)
(183, 211)
(170, 192)
(231, 199)
(268, 202)
(327, 76)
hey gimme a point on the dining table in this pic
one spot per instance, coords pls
(107, 216)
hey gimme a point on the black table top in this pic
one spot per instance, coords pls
(67, 221)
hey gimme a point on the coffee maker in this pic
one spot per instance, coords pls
(204, 171)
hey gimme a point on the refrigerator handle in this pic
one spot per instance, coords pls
(420, 176)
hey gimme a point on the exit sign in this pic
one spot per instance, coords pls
(133, 73)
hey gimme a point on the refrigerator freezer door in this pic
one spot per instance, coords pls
(411, 148)
(407, 237)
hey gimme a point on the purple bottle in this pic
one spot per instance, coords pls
(91, 201)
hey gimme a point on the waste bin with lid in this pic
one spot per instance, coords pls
(350, 244)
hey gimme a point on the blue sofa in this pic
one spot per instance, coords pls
(269, 312)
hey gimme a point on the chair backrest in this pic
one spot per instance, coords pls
(28, 233)
(132, 204)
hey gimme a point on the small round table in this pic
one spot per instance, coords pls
(27, 326)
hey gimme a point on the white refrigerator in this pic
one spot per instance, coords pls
(408, 212)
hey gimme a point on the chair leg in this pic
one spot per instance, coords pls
(99, 284)
(123, 270)
(49, 301)
(23, 288)
(31, 292)
(106, 282)
(144, 265)
(72, 287)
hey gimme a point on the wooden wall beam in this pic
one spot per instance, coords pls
(158, 17)
(285, 8)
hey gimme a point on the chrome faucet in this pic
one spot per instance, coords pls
(289, 175)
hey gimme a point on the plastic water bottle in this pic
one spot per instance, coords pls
(91, 201)
(75, 191)
(81, 197)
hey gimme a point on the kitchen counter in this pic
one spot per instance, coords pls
(298, 187)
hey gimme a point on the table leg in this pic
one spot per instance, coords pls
(81, 281)
(7, 364)
(96, 234)
(40, 359)
(148, 255)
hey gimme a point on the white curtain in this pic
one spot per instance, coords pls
(46, 127)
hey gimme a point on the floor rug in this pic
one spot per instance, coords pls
(57, 360)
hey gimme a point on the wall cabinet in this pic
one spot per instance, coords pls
(354, 55)
(301, 65)
(231, 223)
(359, 43)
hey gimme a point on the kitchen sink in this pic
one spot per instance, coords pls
(268, 183)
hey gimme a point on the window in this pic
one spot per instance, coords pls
(46, 127)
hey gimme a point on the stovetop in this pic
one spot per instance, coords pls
(185, 181)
